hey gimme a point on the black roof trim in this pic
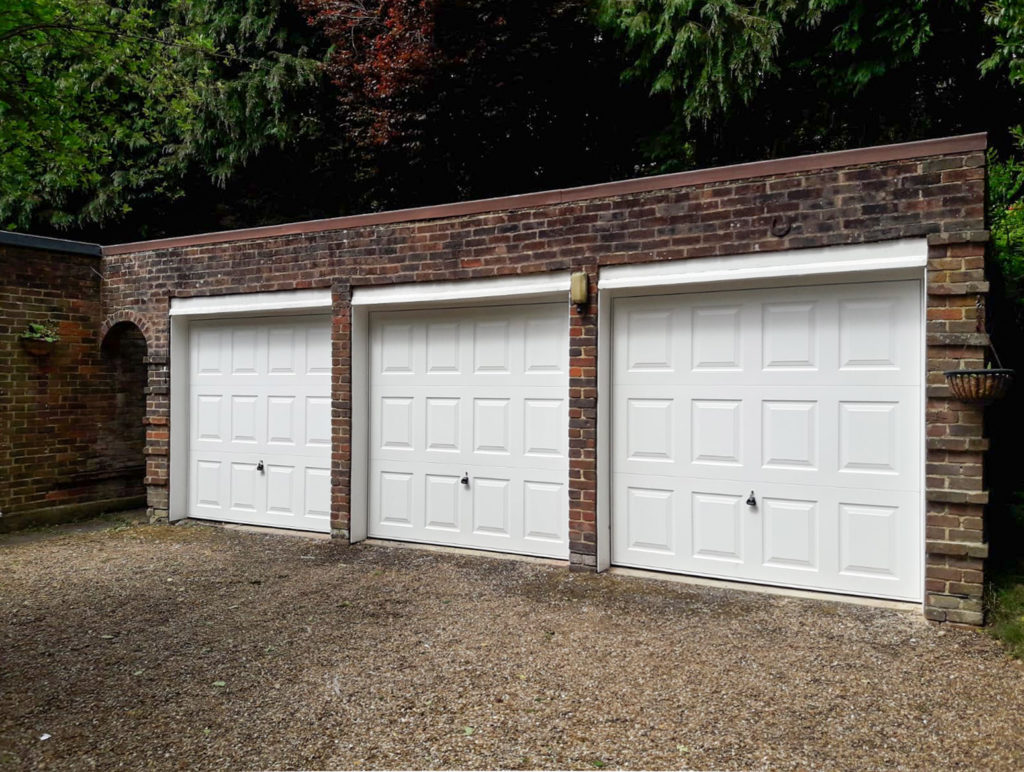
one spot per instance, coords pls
(10, 239)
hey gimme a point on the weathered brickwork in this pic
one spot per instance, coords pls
(70, 422)
(954, 526)
(938, 196)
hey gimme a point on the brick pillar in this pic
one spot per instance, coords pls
(583, 431)
(341, 412)
(955, 546)
(157, 421)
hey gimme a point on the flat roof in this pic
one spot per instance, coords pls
(28, 241)
(804, 163)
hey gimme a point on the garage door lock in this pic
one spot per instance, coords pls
(465, 479)
(751, 501)
(259, 466)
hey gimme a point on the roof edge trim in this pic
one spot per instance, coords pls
(28, 241)
(964, 143)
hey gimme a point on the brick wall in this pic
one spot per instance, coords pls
(772, 207)
(954, 524)
(66, 440)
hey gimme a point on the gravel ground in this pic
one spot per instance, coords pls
(196, 647)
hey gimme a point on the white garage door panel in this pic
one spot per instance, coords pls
(810, 398)
(725, 337)
(475, 393)
(260, 392)
(838, 436)
(839, 540)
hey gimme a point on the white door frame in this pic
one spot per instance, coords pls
(502, 291)
(186, 310)
(891, 260)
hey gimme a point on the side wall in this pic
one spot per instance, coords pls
(59, 456)
(939, 197)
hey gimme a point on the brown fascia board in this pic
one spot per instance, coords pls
(964, 143)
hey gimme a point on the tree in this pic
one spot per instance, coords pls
(1007, 20)
(1006, 174)
(76, 91)
(762, 78)
(106, 105)
(452, 99)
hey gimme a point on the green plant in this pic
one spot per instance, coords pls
(1006, 215)
(43, 331)
(1005, 595)
(1006, 610)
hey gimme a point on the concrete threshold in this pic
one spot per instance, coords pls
(409, 545)
(265, 530)
(786, 592)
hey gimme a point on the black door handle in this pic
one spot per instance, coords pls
(259, 466)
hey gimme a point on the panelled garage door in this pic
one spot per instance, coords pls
(260, 422)
(469, 426)
(772, 436)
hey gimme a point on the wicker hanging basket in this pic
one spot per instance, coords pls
(980, 386)
(37, 348)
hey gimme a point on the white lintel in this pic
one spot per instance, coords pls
(857, 258)
(255, 302)
(520, 287)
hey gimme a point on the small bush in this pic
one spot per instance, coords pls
(1007, 613)
(1006, 584)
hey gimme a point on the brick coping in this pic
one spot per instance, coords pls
(804, 163)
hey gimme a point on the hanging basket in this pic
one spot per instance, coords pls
(37, 348)
(979, 385)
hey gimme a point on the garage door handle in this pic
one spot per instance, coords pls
(751, 501)
(465, 479)
(259, 466)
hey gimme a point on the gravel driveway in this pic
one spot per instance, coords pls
(196, 647)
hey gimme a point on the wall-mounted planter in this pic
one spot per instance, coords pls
(979, 386)
(38, 348)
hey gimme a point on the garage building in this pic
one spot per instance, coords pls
(745, 384)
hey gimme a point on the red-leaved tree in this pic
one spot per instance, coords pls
(452, 99)
(382, 50)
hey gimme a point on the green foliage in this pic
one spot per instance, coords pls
(1006, 217)
(870, 39)
(104, 103)
(86, 110)
(255, 88)
(756, 78)
(1006, 588)
(712, 52)
(717, 54)
(1007, 612)
(149, 117)
(44, 331)
(1006, 18)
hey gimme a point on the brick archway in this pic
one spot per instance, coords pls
(127, 316)
(143, 398)
(124, 353)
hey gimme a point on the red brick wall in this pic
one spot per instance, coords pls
(61, 442)
(939, 197)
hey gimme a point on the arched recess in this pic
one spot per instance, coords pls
(120, 317)
(122, 435)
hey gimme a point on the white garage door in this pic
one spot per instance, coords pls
(260, 422)
(772, 436)
(469, 427)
